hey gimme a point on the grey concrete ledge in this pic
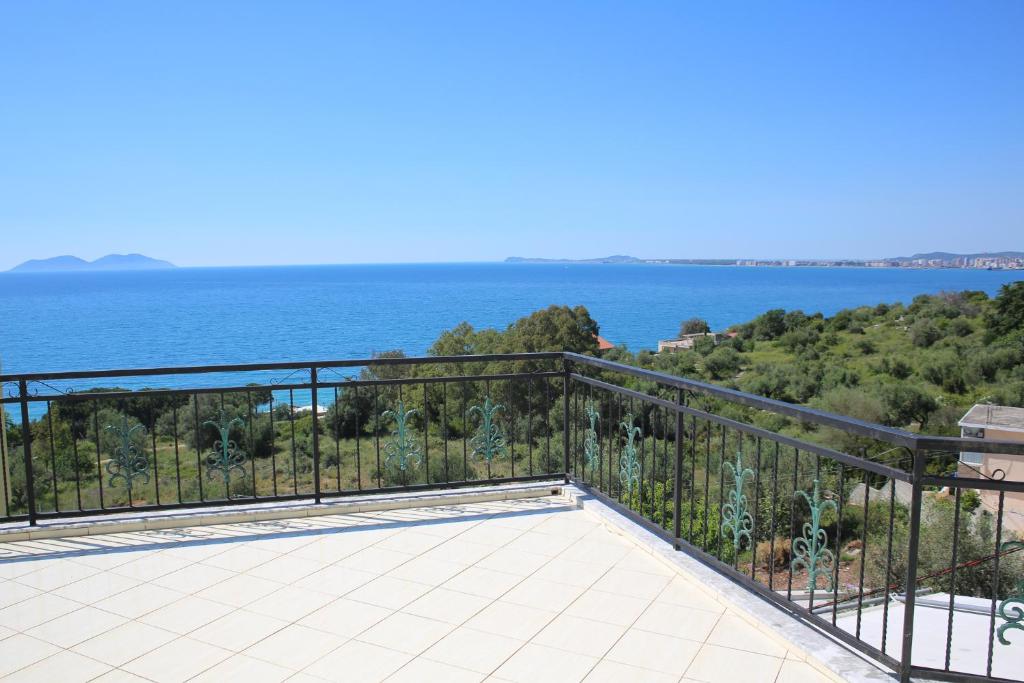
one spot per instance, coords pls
(808, 643)
(124, 522)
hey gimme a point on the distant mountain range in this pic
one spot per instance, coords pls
(75, 264)
(947, 259)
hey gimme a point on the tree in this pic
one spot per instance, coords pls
(924, 333)
(694, 326)
(1008, 310)
(722, 362)
(905, 403)
(555, 328)
(769, 325)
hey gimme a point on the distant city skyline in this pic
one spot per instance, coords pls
(261, 134)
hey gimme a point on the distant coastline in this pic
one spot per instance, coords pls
(110, 262)
(1002, 260)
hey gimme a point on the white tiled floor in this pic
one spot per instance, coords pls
(522, 591)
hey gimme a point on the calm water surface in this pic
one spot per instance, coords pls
(192, 316)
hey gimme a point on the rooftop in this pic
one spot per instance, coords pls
(512, 590)
(1002, 417)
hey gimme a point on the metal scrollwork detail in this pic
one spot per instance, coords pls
(738, 522)
(629, 461)
(591, 445)
(488, 443)
(1012, 614)
(402, 452)
(810, 551)
(128, 462)
(226, 455)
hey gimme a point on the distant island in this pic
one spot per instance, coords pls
(1000, 260)
(106, 263)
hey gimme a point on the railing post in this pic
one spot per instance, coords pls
(316, 434)
(26, 441)
(567, 365)
(677, 483)
(910, 597)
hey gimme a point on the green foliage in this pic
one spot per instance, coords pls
(694, 326)
(924, 333)
(722, 362)
(1007, 313)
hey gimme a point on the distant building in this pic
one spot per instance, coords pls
(995, 423)
(321, 411)
(686, 341)
(603, 344)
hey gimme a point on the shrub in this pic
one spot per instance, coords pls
(694, 326)
(722, 363)
(924, 333)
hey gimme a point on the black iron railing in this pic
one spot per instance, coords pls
(862, 530)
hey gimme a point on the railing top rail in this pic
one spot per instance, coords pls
(289, 365)
(892, 435)
(897, 437)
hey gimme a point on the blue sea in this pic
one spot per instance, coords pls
(192, 316)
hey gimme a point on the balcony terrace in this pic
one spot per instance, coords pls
(525, 517)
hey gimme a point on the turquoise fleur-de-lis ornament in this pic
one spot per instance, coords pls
(402, 452)
(810, 551)
(591, 445)
(488, 442)
(737, 521)
(128, 462)
(226, 457)
(629, 461)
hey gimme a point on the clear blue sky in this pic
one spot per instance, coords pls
(214, 133)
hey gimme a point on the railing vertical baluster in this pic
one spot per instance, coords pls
(53, 455)
(444, 428)
(78, 474)
(721, 495)
(96, 434)
(529, 423)
(465, 429)
(273, 445)
(315, 434)
(757, 505)
(337, 442)
(426, 434)
(359, 438)
(177, 450)
(291, 423)
(565, 420)
(995, 584)
(839, 536)
(693, 472)
(664, 467)
(26, 441)
(792, 525)
(250, 418)
(906, 654)
(888, 563)
(677, 478)
(511, 429)
(156, 461)
(376, 432)
(197, 435)
(771, 530)
(864, 547)
(952, 574)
